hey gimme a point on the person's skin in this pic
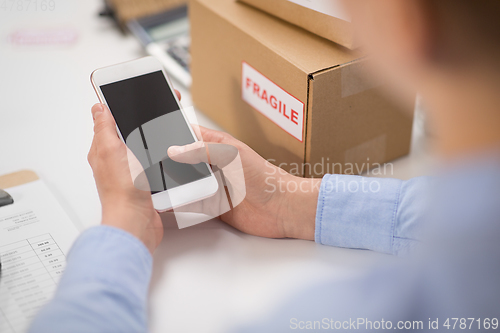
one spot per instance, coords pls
(123, 206)
(458, 77)
(455, 68)
(263, 213)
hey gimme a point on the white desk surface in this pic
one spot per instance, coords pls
(206, 278)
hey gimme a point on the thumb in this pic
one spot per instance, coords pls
(217, 154)
(193, 153)
(104, 123)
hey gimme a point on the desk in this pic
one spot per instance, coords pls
(206, 278)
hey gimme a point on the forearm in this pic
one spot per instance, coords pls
(378, 214)
(104, 287)
(301, 201)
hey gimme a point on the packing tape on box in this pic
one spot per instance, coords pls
(365, 156)
(356, 78)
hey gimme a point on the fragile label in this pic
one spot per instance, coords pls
(272, 101)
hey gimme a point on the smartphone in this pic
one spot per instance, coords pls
(150, 119)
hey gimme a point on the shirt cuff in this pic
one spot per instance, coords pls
(112, 256)
(357, 212)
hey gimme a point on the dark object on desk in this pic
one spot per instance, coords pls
(5, 199)
(166, 36)
(164, 33)
(125, 10)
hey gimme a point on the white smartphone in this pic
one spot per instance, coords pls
(149, 120)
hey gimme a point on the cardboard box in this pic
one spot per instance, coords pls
(126, 10)
(296, 98)
(325, 18)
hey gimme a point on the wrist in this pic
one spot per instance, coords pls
(134, 221)
(300, 200)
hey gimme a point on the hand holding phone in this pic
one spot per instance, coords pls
(123, 205)
(149, 120)
(266, 201)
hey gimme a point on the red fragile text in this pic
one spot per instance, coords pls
(271, 100)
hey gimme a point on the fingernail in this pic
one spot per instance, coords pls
(97, 111)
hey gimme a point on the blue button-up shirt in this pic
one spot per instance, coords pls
(452, 229)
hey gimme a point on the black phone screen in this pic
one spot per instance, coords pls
(150, 121)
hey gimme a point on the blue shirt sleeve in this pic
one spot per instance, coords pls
(378, 214)
(104, 286)
(451, 279)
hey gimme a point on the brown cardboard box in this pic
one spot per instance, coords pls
(337, 29)
(296, 98)
(126, 10)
